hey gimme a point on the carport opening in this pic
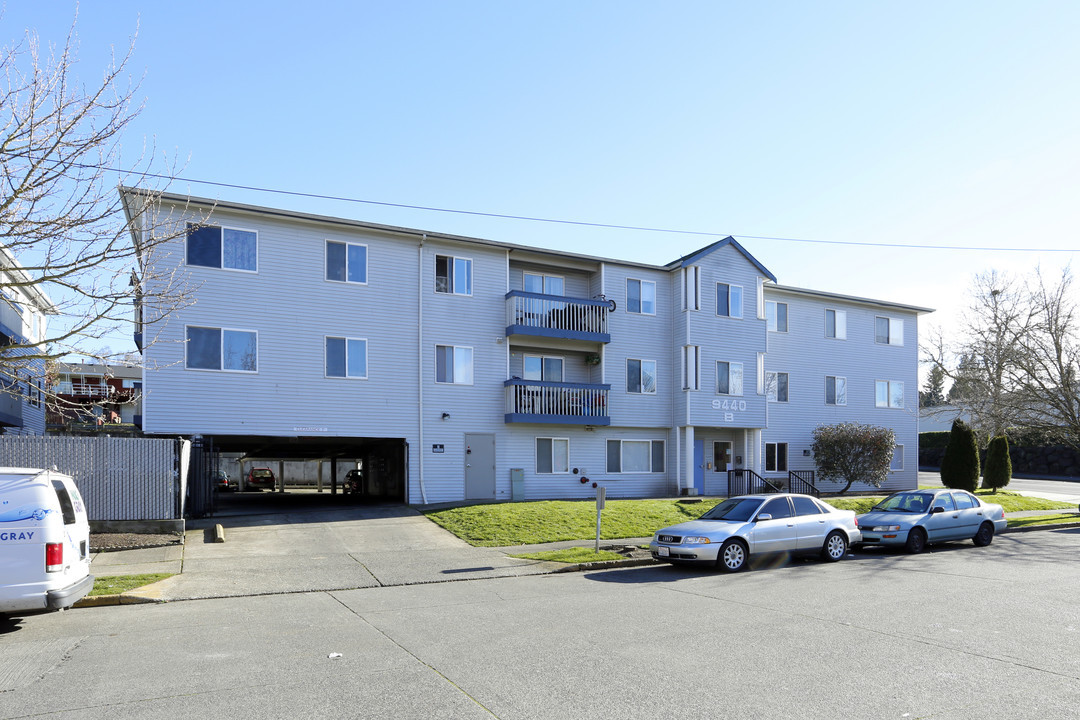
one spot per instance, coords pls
(302, 470)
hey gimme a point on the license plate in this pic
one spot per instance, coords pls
(663, 551)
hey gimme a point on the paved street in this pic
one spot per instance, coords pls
(960, 632)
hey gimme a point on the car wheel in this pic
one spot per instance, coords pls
(733, 555)
(835, 547)
(916, 540)
(985, 536)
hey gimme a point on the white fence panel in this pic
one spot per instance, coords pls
(119, 478)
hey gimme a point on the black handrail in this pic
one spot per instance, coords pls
(744, 481)
(802, 481)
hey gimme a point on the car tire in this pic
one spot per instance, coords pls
(835, 547)
(733, 555)
(985, 536)
(916, 541)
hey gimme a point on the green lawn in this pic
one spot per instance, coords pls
(529, 523)
(116, 584)
(572, 555)
(1055, 519)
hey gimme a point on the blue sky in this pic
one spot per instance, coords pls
(923, 123)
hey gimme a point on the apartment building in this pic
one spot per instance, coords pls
(24, 311)
(453, 368)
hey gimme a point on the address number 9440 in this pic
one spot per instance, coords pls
(729, 405)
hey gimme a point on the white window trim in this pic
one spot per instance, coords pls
(894, 323)
(346, 243)
(691, 367)
(346, 376)
(761, 298)
(221, 349)
(453, 259)
(776, 316)
(729, 364)
(888, 395)
(622, 460)
(223, 228)
(898, 452)
(837, 315)
(536, 456)
(435, 364)
(543, 277)
(691, 287)
(641, 283)
(760, 374)
(787, 457)
(526, 356)
(777, 373)
(742, 302)
(835, 378)
(656, 379)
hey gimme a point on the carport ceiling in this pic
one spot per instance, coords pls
(299, 448)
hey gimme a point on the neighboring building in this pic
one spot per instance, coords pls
(23, 320)
(94, 397)
(443, 365)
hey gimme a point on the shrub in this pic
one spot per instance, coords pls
(852, 452)
(998, 469)
(960, 465)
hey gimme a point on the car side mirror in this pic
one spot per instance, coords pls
(764, 516)
(936, 509)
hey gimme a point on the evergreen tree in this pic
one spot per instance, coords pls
(934, 392)
(960, 465)
(998, 470)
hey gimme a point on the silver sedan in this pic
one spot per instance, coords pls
(749, 525)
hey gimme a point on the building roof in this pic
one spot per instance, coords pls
(698, 254)
(30, 286)
(848, 298)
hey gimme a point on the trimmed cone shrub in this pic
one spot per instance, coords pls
(998, 470)
(960, 466)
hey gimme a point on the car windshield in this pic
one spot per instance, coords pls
(735, 509)
(904, 502)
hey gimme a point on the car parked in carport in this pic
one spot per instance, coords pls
(739, 527)
(913, 519)
(261, 478)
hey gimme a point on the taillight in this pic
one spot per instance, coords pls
(856, 522)
(54, 557)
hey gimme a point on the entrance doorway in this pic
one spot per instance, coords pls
(479, 466)
(722, 460)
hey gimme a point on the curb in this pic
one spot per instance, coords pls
(1032, 528)
(121, 599)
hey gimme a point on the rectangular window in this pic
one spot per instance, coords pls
(641, 296)
(691, 368)
(836, 324)
(776, 457)
(692, 288)
(453, 364)
(729, 300)
(346, 357)
(552, 455)
(222, 349)
(888, 331)
(453, 275)
(729, 378)
(544, 284)
(346, 262)
(897, 462)
(889, 394)
(776, 386)
(835, 390)
(640, 376)
(539, 367)
(635, 456)
(776, 316)
(222, 247)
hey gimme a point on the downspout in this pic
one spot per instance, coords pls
(420, 362)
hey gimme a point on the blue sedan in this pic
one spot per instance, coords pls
(913, 519)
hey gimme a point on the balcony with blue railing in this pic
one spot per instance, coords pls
(557, 316)
(560, 403)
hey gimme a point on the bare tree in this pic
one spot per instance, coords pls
(1048, 361)
(65, 238)
(984, 359)
(1017, 360)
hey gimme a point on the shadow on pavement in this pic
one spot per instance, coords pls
(251, 509)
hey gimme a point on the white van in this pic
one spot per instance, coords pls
(44, 542)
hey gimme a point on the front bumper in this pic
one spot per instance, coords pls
(893, 537)
(688, 552)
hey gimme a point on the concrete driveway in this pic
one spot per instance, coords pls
(280, 545)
